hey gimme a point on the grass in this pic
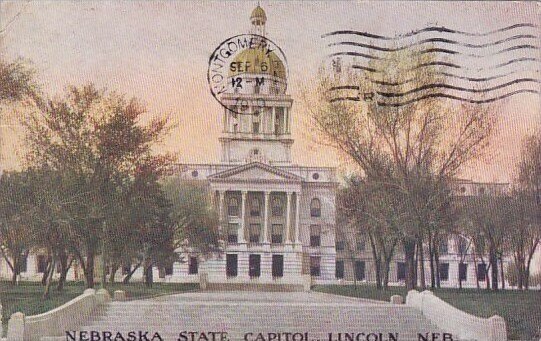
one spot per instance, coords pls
(520, 309)
(27, 296)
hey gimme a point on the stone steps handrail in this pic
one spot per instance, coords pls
(460, 323)
(57, 321)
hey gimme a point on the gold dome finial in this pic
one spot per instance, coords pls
(258, 15)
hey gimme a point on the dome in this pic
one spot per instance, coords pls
(258, 13)
(256, 61)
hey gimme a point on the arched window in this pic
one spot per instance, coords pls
(277, 207)
(315, 208)
(233, 207)
(255, 207)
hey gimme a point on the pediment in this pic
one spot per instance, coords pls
(255, 171)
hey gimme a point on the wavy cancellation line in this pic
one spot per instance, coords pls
(437, 95)
(438, 29)
(432, 49)
(441, 86)
(449, 64)
(453, 76)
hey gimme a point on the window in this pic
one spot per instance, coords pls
(276, 233)
(481, 272)
(315, 208)
(233, 207)
(340, 245)
(315, 269)
(277, 207)
(359, 270)
(195, 173)
(169, 270)
(315, 176)
(231, 269)
(232, 233)
(255, 123)
(444, 246)
(361, 245)
(315, 235)
(193, 266)
(277, 266)
(339, 269)
(255, 231)
(462, 271)
(235, 127)
(481, 190)
(255, 207)
(444, 271)
(42, 263)
(400, 271)
(254, 265)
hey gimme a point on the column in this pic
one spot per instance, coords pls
(221, 205)
(242, 216)
(297, 215)
(288, 217)
(273, 119)
(222, 222)
(266, 218)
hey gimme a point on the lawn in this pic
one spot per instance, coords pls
(520, 309)
(26, 297)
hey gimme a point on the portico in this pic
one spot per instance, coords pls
(273, 213)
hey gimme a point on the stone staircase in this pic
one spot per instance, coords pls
(238, 313)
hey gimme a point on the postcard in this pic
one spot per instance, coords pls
(270, 170)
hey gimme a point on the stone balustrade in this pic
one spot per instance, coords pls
(56, 322)
(464, 325)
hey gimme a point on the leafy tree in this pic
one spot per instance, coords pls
(96, 142)
(426, 141)
(15, 234)
(195, 220)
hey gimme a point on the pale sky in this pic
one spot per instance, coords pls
(158, 52)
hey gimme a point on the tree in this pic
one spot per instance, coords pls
(490, 217)
(527, 208)
(16, 81)
(194, 217)
(95, 141)
(426, 141)
(15, 234)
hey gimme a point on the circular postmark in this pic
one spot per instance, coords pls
(244, 70)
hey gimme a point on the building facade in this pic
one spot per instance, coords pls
(278, 217)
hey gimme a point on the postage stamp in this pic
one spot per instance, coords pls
(270, 170)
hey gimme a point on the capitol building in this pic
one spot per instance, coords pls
(278, 217)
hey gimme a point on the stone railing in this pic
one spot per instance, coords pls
(56, 322)
(449, 318)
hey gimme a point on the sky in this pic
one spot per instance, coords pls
(158, 52)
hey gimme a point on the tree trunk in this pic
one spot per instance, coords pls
(15, 272)
(114, 269)
(149, 279)
(377, 261)
(494, 265)
(47, 291)
(386, 269)
(437, 263)
(459, 278)
(63, 261)
(89, 269)
(421, 265)
(46, 272)
(409, 254)
(502, 273)
(431, 255)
